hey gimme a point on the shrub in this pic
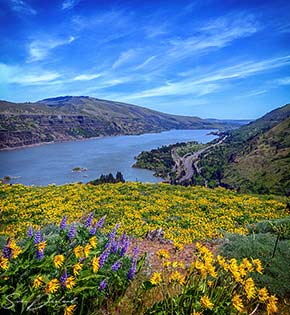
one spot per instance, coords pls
(274, 255)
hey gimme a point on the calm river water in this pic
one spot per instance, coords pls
(53, 163)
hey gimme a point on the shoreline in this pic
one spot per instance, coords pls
(86, 139)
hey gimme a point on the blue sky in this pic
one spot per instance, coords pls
(213, 59)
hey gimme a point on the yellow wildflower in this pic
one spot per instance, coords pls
(248, 266)
(250, 288)
(263, 295)
(93, 241)
(166, 263)
(87, 249)
(58, 260)
(70, 309)
(95, 264)
(237, 303)
(200, 266)
(41, 246)
(37, 282)
(210, 283)
(52, 286)
(175, 264)
(272, 305)
(163, 253)
(176, 276)
(197, 313)
(16, 250)
(156, 278)
(77, 268)
(70, 282)
(181, 265)
(206, 303)
(4, 263)
(78, 251)
(258, 265)
(222, 262)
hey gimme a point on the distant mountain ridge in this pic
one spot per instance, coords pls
(79, 117)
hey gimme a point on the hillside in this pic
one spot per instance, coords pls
(71, 117)
(254, 157)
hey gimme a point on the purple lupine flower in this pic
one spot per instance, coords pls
(7, 251)
(30, 231)
(39, 254)
(101, 222)
(103, 285)
(132, 270)
(125, 242)
(135, 253)
(72, 231)
(115, 246)
(89, 220)
(116, 265)
(114, 231)
(37, 237)
(63, 279)
(62, 225)
(103, 257)
(93, 230)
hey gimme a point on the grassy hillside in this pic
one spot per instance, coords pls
(72, 117)
(254, 157)
(185, 214)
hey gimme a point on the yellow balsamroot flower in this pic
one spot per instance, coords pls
(272, 305)
(263, 295)
(237, 303)
(95, 264)
(222, 262)
(41, 246)
(87, 250)
(210, 283)
(166, 263)
(175, 264)
(163, 253)
(247, 265)
(58, 260)
(52, 286)
(206, 303)
(4, 263)
(37, 282)
(197, 313)
(200, 266)
(156, 278)
(70, 282)
(79, 251)
(77, 268)
(70, 309)
(16, 250)
(93, 241)
(250, 289)
(258, 265)
(176, 276)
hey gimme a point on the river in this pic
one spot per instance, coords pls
(53, 163)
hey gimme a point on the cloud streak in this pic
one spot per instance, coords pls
(40, 49)
(22, 7)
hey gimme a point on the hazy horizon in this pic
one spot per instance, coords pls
(212, 59)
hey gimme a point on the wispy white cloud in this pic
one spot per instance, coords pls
(87, 77)
(124, 58)
(22, 7)
(69, 4)
(145, 63)
(19, 75)
(213, 81)
(283, 81)
(213, 35)
(39, 49)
